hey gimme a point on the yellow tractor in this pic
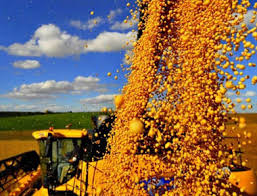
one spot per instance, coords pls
(71, 160)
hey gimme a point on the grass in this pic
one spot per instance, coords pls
(9, 148)
(38, 122)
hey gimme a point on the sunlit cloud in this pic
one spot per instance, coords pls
(124, 26)
(100, 99)
(50, 89)
(88, 25)
(27, 64)
(49, 40)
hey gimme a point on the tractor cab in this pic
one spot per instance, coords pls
(60, 152)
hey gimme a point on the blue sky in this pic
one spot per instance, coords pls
(55, 55)
(42, 43)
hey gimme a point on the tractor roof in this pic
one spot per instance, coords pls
(60, 133)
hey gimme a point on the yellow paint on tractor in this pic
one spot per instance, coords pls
(60, 133)
(41, 192)
(245, 180)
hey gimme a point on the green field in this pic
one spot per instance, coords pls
(60, 120)
(44, 121)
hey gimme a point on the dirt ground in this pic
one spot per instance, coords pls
(16, 142)
(9, 148)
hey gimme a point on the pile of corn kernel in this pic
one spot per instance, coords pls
(171, 114)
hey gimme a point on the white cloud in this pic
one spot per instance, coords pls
(24, 107)
(17, 94)
(90, 24)
(49, 40)
(242, 95)
(247, 18)
(86, 84)
(94, 22)
(50, 88)
(124, 26)
(27, 64)
(113, 14)
(6, 107)
(230, 93)
(30, 48)
(110, 41)
(250, 94)
(101, 99)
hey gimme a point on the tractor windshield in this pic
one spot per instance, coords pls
(59, 159)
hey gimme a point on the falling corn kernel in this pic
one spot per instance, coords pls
(104, 109)
(118, 101)
(254, 80)
(136, 126)
(248, 100)
(229, 84)
(243, 107)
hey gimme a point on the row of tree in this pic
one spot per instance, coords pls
(14, 113)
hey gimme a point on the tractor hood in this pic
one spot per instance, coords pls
(60, 133)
